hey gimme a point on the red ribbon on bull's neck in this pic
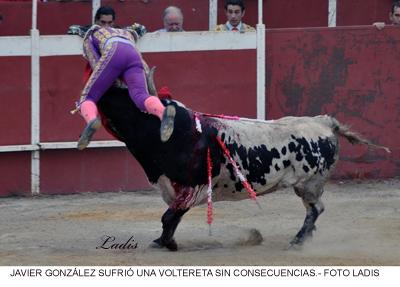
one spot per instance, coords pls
(245, 183)
(209, 190)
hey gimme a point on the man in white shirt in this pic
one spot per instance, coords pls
(234, 10)
(394, 16)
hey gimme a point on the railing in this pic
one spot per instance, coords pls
(38, 46)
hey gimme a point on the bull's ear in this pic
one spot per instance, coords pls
(150, 81)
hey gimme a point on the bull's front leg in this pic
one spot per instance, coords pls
(170, 221)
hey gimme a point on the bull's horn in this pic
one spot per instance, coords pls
(150, 82)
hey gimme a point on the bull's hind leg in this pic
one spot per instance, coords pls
(170, 221)
(311, 196)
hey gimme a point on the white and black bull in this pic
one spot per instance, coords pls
(292, 151)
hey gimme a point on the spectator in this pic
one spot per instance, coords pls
(173, 20)
(105, 17)
(394, 16)
(234, 11)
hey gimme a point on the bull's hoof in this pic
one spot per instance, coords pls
(156, 243)
(292, 247)
(301, 237)
(171, 245)
(297, 242)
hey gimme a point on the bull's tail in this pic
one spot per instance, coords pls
(353, 137)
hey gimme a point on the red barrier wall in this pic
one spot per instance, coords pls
(15, 171)
(99, 170)
(362, 12)
(15, 95)
(348, 72)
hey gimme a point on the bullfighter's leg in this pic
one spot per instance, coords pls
(170, 221)
(311, 196)
(135, 78)
(91, 116)
(105, 73)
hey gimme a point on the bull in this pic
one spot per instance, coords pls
(298, 152)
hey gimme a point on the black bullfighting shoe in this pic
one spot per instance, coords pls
(167, 123)
(88, 133)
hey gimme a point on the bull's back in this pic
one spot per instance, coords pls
(273, 154)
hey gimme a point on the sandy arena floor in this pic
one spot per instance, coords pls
(360, 226)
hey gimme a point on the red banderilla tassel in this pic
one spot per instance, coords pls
(209, 190)
(246, 184)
